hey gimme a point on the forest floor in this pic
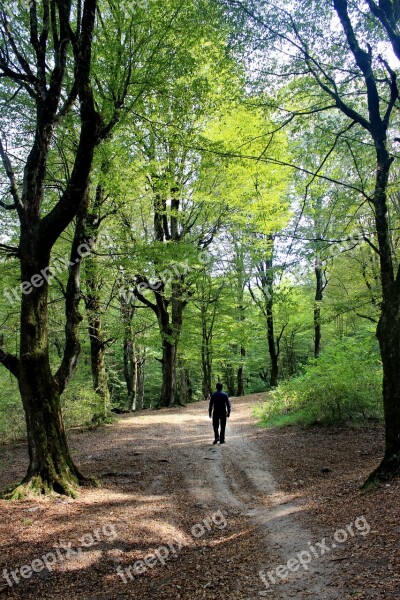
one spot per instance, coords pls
(192, 520)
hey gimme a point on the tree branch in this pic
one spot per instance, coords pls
(10, 362)
(56, 221)
(364, 63)
(154, 307)
(385, 13)
(11, 176)
(72, 299)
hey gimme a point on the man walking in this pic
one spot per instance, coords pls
(220, 409)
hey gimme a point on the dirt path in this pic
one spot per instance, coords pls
(176, 517)
(238, 479)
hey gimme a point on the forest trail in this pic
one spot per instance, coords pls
(238, 478)
(208, 518)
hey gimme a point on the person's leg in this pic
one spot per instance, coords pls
(223, 425)
(215, 427)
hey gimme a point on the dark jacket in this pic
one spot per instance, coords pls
(220, 402)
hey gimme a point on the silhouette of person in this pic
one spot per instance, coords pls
(220, 409)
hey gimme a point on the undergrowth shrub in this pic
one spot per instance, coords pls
(343, 385)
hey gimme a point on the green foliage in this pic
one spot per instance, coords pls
(12, 420)
(193, 132)
(79, 405)
(344, 384)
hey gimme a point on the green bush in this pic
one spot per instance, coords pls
(79, 404)
(344, 384)
(12, 419)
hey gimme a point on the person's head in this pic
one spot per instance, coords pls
(219, 386)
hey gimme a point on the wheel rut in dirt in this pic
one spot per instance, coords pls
(235, 478)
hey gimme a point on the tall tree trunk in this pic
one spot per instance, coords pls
(206, 360)
(98, 367)
(58, 74)
(320, 279)
(168, 390)
(167, 307)
(98, 343)
(240, 375)
(206, 370)
(170, 328)
(388, 334)
(51, 467)
(208, 314)
(133, 406)
(317, 307)
(130, 370)
(140, 382)
(50, 463)
(229, 374)
(379, 114)
(388, 330)
(185, 386)
(134, 362)
(272, 349)
(97, 349)
(265, 279)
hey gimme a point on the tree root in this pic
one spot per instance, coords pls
(388, 469)
(35, 485)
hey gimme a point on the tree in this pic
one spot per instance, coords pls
(93, 303)
(43, 79)
(133, 350)
(265, 276)
(180, 221)
(255, 195)
(51, 466)
(347, 73)
(240, 279)
(209, 291)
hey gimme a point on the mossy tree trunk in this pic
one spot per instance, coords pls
(51, 467)
(62, 64)
(168, 396)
